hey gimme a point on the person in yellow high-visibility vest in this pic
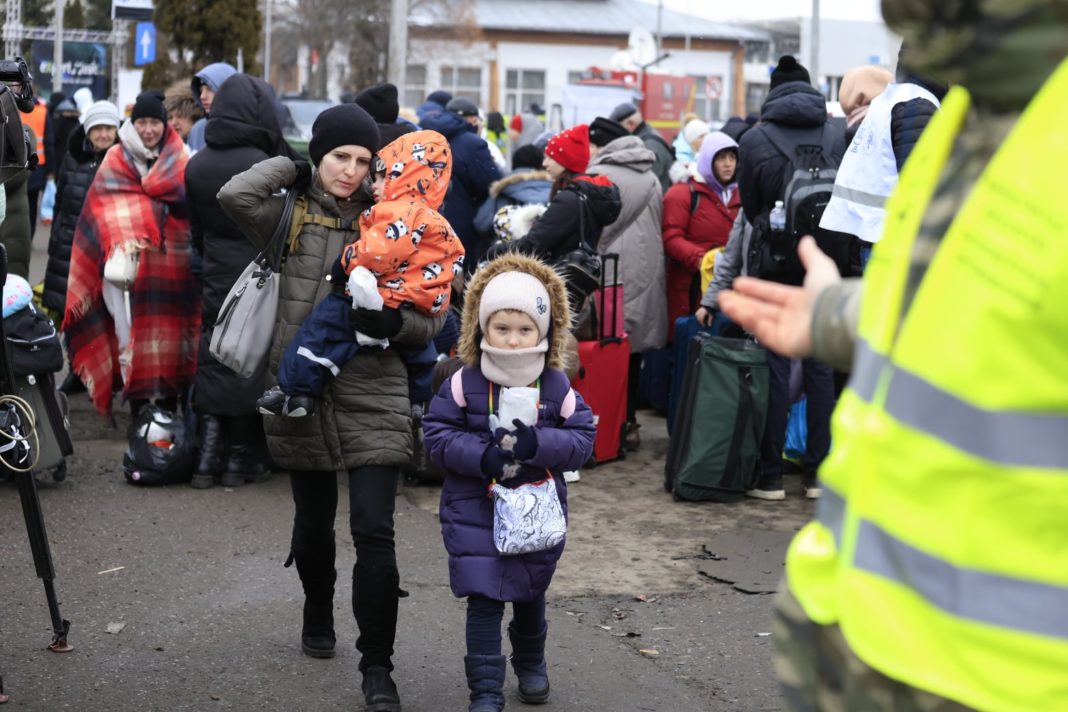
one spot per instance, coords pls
(936, 574)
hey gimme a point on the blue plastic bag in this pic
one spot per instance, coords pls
(797, 430)
(48, 202)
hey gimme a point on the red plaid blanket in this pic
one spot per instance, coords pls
(122, 209)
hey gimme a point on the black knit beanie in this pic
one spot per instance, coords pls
(343, 125)
(603, 131)
(149, 105)
(528, 156)
(380, 101)
(788, 70)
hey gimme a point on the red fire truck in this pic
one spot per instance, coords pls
(662, 98)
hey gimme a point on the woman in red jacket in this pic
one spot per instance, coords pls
(698, 215)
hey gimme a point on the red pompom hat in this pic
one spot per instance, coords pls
(571, 148)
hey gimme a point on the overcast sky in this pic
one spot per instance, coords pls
(769, 9)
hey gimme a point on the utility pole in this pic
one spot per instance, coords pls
(267, 42)
(814, 36)
(57, 50)
(398, 45)
(659, 27)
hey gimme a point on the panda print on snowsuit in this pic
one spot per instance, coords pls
(396, 230)
(417, 234)
(404, 240)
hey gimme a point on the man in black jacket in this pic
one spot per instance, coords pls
(631, 118)
(797, 111)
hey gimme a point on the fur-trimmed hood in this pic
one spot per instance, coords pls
(471, 333)
(521, 176)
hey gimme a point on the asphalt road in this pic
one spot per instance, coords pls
(207, 618)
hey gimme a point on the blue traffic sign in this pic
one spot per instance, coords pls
(145, 43)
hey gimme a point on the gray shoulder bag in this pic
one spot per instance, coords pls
(244, 328)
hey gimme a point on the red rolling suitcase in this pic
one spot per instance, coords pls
(602, 375)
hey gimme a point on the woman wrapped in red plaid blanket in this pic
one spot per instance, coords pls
(136, 204)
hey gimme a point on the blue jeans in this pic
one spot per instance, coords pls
(484, 616)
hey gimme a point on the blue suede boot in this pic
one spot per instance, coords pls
(485, 679)
(528, 661)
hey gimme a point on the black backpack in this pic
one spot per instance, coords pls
(809, 181)
(165, 460)
(32, 342)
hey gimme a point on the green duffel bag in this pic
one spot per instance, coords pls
(714, 451)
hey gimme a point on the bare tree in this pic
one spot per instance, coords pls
(362, 25)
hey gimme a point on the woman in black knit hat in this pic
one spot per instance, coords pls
(363, 423)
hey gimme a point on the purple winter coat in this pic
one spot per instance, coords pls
(456, 438)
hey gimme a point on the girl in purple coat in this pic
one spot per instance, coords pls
(515, 323)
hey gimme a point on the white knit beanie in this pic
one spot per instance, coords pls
(519, 291)
(694, 130)
(101, 113)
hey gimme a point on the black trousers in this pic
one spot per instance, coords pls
(375, 579)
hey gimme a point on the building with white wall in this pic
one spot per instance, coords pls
(514, 53)
(843, 44)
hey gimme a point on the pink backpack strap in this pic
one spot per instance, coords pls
(456, 383)
(567, 407)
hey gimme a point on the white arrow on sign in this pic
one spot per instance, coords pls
(146, 44)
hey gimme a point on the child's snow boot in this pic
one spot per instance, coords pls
(485, 679)
(528, 661)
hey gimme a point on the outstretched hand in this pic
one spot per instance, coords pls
(780, 316)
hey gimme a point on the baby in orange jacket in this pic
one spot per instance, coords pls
(406, 246)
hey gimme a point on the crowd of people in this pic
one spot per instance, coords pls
(459, 218)
(158, 213)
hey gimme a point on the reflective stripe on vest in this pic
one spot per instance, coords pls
(868, 173)
(941, 545)
(1011, 438)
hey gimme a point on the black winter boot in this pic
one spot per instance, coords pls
(317, 575)
(485, 679)
(528, 661)
(379, 690)
(209, 457)
(244, 463)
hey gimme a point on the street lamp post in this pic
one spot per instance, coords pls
(57, 50)
(814, 60)
(267, 42)
(398, 45)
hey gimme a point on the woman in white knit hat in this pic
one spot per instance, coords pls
(85, 150)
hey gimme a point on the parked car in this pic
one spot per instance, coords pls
(300, 114)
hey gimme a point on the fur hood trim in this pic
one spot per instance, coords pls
(471, 334)
(518, 177)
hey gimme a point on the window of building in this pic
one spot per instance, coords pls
(463, 81)
(414, 85)
(755, 94)
(575, 77)
(708, 96)
(523, 87)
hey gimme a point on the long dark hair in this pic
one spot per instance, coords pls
(562, 181)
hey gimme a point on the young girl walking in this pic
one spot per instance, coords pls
(514, 329)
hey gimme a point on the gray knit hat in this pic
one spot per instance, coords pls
(101, 113)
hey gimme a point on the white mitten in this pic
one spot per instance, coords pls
(363, 288)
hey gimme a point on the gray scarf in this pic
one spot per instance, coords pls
(513, 367)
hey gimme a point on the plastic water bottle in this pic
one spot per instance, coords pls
(777, 217)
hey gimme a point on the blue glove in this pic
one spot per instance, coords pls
(498, 464)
